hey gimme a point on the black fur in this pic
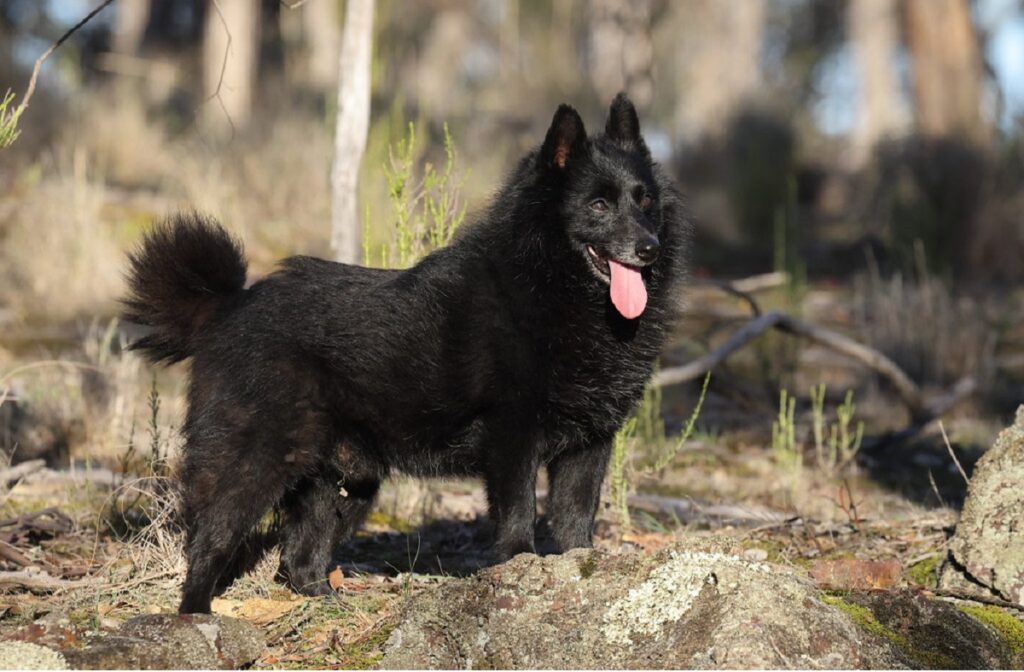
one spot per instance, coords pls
(495, 356)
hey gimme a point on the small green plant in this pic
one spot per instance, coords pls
(688, 430)
(838, 448)
(427, 211)
(619, 479)
(10, 114)
(645, 426)
(784, 445)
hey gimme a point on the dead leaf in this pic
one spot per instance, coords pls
(336, 578)
(648, 541)
(854, 574)
(258, 610)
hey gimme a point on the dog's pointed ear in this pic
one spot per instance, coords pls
(566, 139)
(623, 124)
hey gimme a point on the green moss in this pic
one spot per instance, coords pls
(865, 619)
(588, 565)
(926, 572)
(387, 520)
(1008, 627)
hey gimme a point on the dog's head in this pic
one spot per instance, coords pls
(609, 200)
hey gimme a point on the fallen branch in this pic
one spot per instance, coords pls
(974, 597)
(10, 476)
(40, 581)
(907, 389)
(11, 554)
(53, 47)
(689, 511)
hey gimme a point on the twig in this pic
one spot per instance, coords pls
(945, 438)
(972, 597)
(223, 69)
(40, 581)
(46, 54)
(11, 554)
(731, 288)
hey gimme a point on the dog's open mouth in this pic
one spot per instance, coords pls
(626, 285)
(600, 263)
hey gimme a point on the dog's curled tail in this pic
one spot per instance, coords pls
(182, 274)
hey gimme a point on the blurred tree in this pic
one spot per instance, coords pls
(874, 33)
(230, 51)
(620, 51)
(948, 69)
(721, 48)
(351, 128)
(130, 25)
(321, 29)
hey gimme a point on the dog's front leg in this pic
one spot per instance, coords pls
(511, 478)
(575, 490)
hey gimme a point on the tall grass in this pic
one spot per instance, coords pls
(426, 204)
(10, 114)
(645, 428)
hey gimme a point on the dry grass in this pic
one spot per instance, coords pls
(934, 334)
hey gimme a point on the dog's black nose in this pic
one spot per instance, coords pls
(647, 250)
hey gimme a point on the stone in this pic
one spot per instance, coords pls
(28, 656)
(987, 549)
(170, 641)
(697, 605)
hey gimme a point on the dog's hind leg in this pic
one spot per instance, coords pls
(321, 512)
(219, 515)
(231, 477)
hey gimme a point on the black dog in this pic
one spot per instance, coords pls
(525, 343)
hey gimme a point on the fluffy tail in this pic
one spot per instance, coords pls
(183, 273)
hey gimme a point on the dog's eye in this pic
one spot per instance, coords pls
(599, 205)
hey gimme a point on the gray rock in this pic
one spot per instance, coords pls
(988, 546)
(687, 607)
(29, 656)
(167, 641)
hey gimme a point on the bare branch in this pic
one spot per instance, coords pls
(906, 388)
(53, 47)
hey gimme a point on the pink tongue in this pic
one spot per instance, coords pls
(629, 295)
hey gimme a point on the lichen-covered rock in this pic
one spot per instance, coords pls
(166, 641)
(695, 606)
(988, 546)
(28, 656)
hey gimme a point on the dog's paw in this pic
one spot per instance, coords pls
(316, 588)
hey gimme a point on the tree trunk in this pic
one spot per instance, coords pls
(874, 29)
(351, 128)
(321, 29)
(130, 26)
(620, 49)
(230, 51)
(947, 69)
(720, 45)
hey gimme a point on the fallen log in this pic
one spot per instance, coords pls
(908, 391)
(12, 475)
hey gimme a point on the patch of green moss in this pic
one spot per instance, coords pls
(865, 619)
(387, 520)
(1008, 627)
(926, 572)
(588, 565)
